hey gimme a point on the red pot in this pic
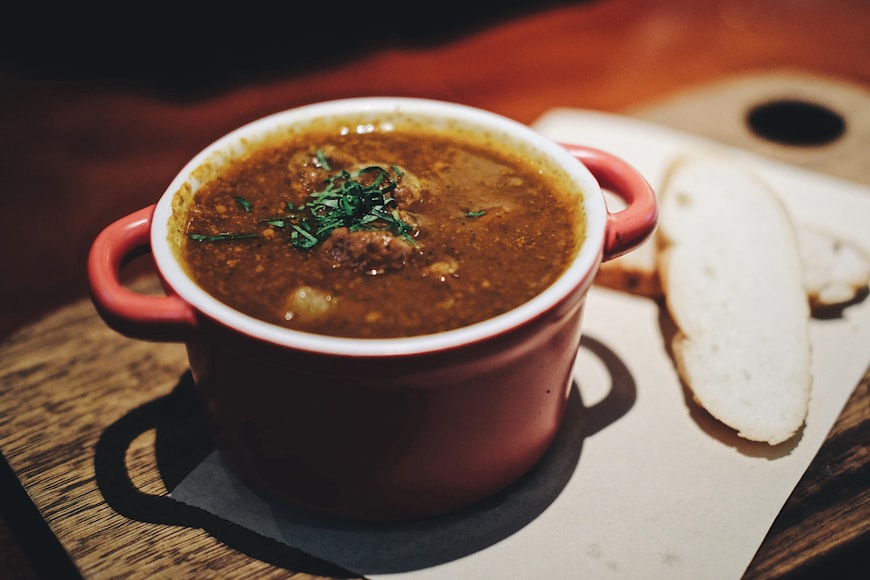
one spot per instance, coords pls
(378, 428)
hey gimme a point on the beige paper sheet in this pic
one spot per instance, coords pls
(645, 485)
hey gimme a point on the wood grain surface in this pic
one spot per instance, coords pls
(97, 128)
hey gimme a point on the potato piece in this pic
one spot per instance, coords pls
(306, 303)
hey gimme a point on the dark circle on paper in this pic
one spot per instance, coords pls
(796, 122)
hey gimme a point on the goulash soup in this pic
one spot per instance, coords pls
(380, 231)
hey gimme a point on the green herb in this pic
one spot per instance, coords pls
(359, 201)
(220, 237)
(246, 205)
(321, 159)
(301, 238)
(475, 214)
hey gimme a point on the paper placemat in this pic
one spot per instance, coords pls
(641, 483)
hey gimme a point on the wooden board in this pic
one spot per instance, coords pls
(96, 427)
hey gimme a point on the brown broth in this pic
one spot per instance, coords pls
(461, 268)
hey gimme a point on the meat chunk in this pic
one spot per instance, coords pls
(372, 251)
(307, 168)
(408, 190)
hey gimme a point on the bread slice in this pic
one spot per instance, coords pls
(634, 272)
(836, 271)
(731, 273)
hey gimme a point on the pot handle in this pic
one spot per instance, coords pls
(629, 227)
(161, 318)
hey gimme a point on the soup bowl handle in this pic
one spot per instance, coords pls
(629, 227)
(163, 318)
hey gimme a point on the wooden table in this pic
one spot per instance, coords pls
(96, 129)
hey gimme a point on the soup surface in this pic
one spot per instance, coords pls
(382, 233)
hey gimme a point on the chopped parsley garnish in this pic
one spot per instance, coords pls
(475, 214)
(322, 161)
(360, 201)
(246, 205)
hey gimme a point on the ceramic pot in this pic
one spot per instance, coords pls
(377, 429)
